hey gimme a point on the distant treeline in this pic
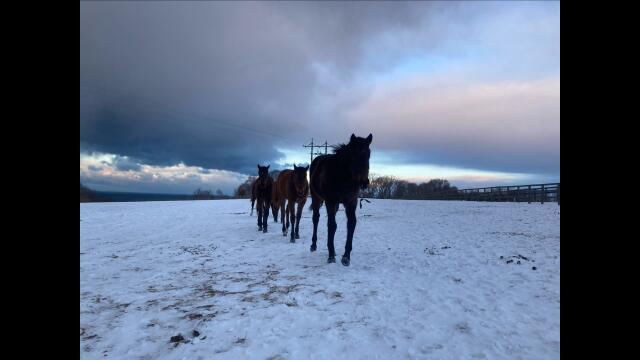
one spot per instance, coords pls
(380, 187)
(89, 195)
(388, 187)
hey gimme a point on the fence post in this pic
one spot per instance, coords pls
(543, 195)
(518, 194)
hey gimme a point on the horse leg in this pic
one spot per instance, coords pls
(259, 209)
(286, 216)
(282, 218)
(315, 206)
(274, 209)
(252, 202)
(265, 215)
(281, 207)
(350, 209)
(292, 216)
(331, 227)
(298, 216)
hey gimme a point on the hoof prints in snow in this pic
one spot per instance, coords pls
(433, 251)
(152, 271)
(517, 259)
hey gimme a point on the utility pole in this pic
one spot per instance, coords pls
(319, 146)
(311, 146)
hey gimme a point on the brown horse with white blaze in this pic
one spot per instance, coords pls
(293, 187)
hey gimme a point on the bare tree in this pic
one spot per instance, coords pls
(200, 194)
(244, 190)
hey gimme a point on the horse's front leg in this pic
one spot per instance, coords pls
(331, 227)
(282, 217)
(274, 209)
(292, 216)
(350, 209)
(315, 206)
(259, 210)
(298, 216)
(265, 215)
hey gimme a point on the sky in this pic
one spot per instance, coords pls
(180, 95)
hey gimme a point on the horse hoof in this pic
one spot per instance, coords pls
(331, 259)
(297, 236)
(292, 240)
(259, 228)
(313, 247)
(264, 231)
(345, 261)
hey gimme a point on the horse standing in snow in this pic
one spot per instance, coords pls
(337, 178)
(293, 187)
(264, 185)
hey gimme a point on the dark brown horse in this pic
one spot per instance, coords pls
(337, 178)
(264, 186)
(293, 188)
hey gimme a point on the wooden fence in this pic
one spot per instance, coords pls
(520, 193)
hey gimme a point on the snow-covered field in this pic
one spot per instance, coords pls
(428, 280)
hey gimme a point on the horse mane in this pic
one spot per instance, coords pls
(340, 149)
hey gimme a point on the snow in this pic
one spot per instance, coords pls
(426, 281)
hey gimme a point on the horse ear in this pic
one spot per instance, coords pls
(353, 137)
(369, 138)
(268, 166)
(258, 166)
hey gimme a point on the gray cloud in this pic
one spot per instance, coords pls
(167, 82)
(123, 163)
(222, 85)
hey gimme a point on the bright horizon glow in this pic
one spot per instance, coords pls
(110, 172)
(386, 164)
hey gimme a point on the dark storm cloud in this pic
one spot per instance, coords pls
(223, 85)
(208, 83)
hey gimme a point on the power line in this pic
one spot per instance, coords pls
(320, 146)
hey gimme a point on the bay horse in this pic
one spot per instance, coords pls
(264, 185)
(337, 178)
(293, 188)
